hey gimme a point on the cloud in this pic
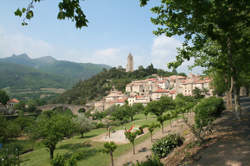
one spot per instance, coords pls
(108, 52)
(19, 43)
(164, 50)
(109, 56)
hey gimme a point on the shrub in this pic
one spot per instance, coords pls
(165, 145)
(59, 160)
(62, 160)
(9, 155)
(81, 110)
(150, 162)
(207, 110)
(100, 125)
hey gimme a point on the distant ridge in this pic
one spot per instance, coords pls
(70, 70)
(23, 77)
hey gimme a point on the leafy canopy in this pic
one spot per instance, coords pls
(68, 9)
(4, 98)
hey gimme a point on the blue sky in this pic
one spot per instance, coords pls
(116, 27)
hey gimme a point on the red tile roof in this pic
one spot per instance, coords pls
(13, 101)
(172, 91)
(151, 79)
(161, 91)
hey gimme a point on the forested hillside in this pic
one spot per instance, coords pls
(100, 84)
(22, 77)
(69, 70)
(26, 78)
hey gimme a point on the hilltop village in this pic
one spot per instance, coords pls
(144, 91)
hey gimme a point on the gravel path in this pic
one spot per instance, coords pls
(233, 148)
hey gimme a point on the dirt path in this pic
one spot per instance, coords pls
(144, 149)
(233, 146)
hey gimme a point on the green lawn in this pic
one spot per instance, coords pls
(90, 151)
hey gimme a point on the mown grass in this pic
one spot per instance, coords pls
(90, 151)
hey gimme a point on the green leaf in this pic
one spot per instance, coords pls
(18, 12)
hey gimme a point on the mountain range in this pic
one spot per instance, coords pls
(21, 72)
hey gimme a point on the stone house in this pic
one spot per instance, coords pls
(156, 95)
(139, 99)
(11, 103)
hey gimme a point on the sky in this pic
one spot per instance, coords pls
(116, 28)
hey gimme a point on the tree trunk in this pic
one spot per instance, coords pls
(109, 132)
(230, 93)
(133, 148)
(112, 159)
(236, 102)
(81, 134)
(231, 69)
(228, 100)
(51, 152)
(151, 136)
(162, 128)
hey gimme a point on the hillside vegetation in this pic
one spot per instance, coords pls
(70, 71)
(100, 84)
(24, 77)
(19, 76)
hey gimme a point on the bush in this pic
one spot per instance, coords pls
(100, 125)
(63, 160)
(81, 110)
(149, 162)
(165, 145)
(59, 160)
(207, 110)
(9, 155)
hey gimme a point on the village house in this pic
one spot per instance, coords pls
(115, 97)
(190, 84)
(156, 95)
(11, 103)
(138, 100)
(144, 91)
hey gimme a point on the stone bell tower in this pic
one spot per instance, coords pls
(130, 63)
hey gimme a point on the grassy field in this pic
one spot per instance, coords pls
(89, 151)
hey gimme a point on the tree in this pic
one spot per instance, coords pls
(146, 112)
(138, 107)
(24, 121)
(161, 119)
(20, 106)
(159, 107)
(197, 92)
(206, 111)
(223, 23)
(9, 129)
(133, 110)
(4, 98)
(121, 114)
(31, 106)
(171, 115)
(151, 129)
(83, 124)
(68, 9)
(131, 136)
(51, 129)
(184, 103)
(109, 148)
